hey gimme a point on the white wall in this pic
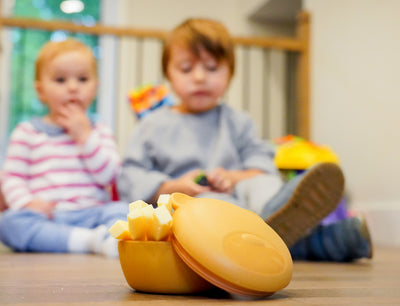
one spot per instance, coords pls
(166, 14)
(355, 93)
(355, 102)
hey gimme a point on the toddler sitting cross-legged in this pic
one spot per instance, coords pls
(59, 167)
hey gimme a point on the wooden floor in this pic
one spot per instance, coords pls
(88, 279)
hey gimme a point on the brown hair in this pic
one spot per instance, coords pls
(201, 33)
(53, 49)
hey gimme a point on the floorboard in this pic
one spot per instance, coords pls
(61, 279)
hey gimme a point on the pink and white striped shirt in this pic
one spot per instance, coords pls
(44, 162)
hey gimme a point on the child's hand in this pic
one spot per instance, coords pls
(42, 206)
(220, 180)
(73, 118)
(185, 184)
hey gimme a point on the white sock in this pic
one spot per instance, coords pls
(99, 235)
(85, 240)
(109, 247)
(78, 241)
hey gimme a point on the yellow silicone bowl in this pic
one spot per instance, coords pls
(154, 266)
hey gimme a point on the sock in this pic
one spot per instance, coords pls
(102, 243)
(99, 235)
(85, 240)
(109, 247)
(78, 241)
(97, 240)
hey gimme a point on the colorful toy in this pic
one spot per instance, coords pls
(295, 154)
(147, 98)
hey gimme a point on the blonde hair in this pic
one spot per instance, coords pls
(201, 33)
(53, 49)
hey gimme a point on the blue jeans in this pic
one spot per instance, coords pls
(341, 241)
(26, 230)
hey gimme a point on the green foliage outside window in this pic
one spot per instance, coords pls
(26, 44)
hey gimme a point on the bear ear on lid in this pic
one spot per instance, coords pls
(178, 199)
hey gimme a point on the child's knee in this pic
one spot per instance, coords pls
(15, 227)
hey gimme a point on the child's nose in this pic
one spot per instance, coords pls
(72, 85)
(199, 73)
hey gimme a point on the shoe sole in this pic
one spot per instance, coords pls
(317, 195)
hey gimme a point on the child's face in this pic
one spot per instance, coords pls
(68, 78)
(198, 81)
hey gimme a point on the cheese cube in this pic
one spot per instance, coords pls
(160, 228)
(164, 199)
(137, 205)
(120, 230)
(137, 225)
(148, 215)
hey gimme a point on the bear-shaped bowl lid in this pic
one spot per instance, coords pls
(231, 247)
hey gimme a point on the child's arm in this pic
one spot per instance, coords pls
(14, 183)
(99, 151)
(3, 205)
(254, 152)
(17, 195)
(41, 206)
(100, 155)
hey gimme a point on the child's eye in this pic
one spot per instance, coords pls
(60, 80)
(212, 67)
(186, 69)
(185, 66)
(83, 79)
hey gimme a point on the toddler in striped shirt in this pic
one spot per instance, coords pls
(59, 167)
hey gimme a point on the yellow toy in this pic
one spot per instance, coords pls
(296, 153)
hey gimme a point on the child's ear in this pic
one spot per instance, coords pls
(39, 90)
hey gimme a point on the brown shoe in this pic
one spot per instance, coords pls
(316, 195)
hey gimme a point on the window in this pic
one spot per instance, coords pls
(26, 43)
